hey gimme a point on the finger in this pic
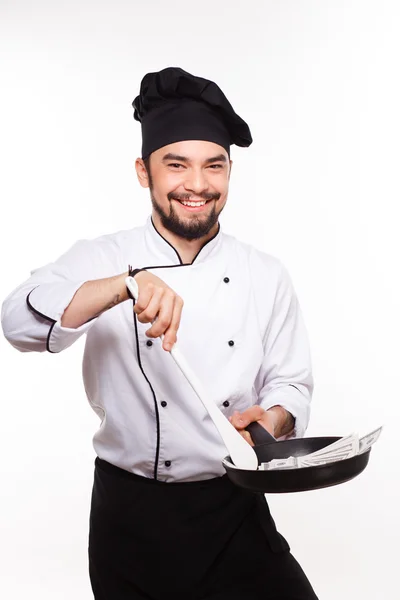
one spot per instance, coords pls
(251, 414)
(150, 312)
(236, 420)
(245, 434)
(145, 294)
(164, 315)
(170, 336)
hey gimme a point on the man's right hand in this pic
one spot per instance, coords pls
(158, 304)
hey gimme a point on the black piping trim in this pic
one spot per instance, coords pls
(295, 387)
(52, 321)
(161, 236)
(181, 263)
(152, 391)
(207, 242)
(163, 267)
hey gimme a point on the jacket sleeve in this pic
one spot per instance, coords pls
(31, 314)
(285, 377)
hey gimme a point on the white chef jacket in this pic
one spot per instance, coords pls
(241, 331)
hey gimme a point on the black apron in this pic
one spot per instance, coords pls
(203, 540)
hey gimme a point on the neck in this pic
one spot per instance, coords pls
(187, 249)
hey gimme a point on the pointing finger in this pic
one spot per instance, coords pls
(170, 336)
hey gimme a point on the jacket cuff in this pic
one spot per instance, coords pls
(294, 401)
(49, 301)
(60, 338)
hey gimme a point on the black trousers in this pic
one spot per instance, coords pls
(206, 540)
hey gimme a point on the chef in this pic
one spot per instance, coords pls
(165, 521)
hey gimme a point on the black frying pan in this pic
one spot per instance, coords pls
(293, 480)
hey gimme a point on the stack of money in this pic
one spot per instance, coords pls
(346, 447)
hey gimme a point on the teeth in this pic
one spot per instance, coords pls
(185, 203)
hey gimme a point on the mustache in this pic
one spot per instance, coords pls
(204, 196)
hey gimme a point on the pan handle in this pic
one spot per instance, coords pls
(259, 434)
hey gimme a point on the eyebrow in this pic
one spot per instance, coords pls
(218, 158)
(178, 157)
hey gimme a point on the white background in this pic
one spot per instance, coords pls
(318, 83)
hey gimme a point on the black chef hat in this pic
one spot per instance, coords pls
(174, 105)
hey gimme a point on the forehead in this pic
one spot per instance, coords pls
(192, 150)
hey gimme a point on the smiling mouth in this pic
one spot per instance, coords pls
(194, 204)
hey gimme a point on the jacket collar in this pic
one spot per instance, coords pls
(167, 253)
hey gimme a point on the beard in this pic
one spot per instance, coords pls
(188, 229)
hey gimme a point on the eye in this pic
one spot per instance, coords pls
(215, 167)
(175, 165)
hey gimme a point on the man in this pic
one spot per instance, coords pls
(165, 521)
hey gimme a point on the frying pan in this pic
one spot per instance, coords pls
(293, 480)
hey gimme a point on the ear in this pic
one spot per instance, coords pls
(141, 173)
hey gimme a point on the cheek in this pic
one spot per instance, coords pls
(223, 187)
(164, 181)
(161, 190)
(170, 184)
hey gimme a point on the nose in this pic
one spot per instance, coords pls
(196, 181)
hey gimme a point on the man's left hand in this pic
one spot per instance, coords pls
(276, 420)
